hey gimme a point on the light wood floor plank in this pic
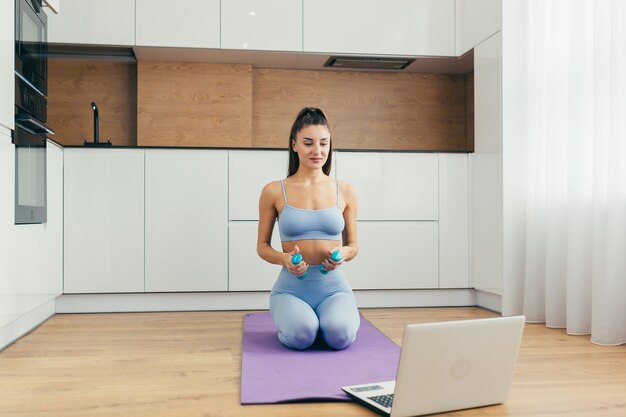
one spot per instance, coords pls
(189, 364)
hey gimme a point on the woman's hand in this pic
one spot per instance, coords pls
(299, 269)
(328, 263)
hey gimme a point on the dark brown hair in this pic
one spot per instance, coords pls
(307, 116)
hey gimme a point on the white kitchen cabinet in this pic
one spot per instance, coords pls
(186, 218)
(395, 255)
(410, 247)
(192, 225)
(453, 221)
(486, 169)
(271, 25)
(248, 173)
(192, 24)
(94, 22)
(476, 20)
(49, 271)
(396, 27)
(7, 63)
(104, 220)
(246, 270)
(392, 186)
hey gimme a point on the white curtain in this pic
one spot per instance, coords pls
(575, 272)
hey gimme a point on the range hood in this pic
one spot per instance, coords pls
(115, 53)
(369, 63)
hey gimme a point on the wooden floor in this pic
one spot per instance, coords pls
(188, 364)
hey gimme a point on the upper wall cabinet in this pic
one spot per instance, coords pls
(394, 27)
(196, 24)
(96, 22)
(476, 20)
(271, 25)
(7, 52)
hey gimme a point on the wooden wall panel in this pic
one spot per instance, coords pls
(469, 112)
(366, 110)
(194, 104)
(221, 105)
(72, 86)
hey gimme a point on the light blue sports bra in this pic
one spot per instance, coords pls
(301, 224)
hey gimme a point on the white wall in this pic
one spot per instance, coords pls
(31, 260)
(514, 153)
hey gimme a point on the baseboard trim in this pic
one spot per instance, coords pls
(24, 324)
(118, 303)
(488, 300)
(416, 298)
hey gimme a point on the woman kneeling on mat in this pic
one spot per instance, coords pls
(315, 215)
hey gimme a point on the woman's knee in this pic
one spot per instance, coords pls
(298, 336)
(295, 320)
(339, 335)
(339, 320)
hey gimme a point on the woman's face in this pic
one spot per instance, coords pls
(312, 145)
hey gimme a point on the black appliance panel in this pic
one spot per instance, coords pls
(30, 134)
(29, 101)
(30, 176)
(31, 43)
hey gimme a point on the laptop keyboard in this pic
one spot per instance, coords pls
(384, 400)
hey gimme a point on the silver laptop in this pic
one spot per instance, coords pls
(448, 366)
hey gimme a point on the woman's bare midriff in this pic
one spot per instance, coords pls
(313, 251)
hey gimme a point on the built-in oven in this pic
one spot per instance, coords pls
(31, 44)
(31, 112)
(30, 176)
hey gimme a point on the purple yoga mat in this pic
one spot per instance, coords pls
(273, 373)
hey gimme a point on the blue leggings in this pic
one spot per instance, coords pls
(318, 303)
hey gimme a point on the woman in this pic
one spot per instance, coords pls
(315, 215)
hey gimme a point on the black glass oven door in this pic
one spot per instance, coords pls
(31, 45)
(30, 176)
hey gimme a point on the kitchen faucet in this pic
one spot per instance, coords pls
(94, 107)
(96, 134)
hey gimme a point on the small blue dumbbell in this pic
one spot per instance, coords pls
(336, 256)
(296, 259)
